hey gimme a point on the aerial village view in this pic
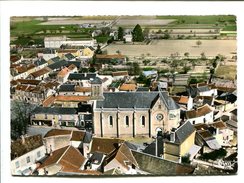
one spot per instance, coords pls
(123, 95)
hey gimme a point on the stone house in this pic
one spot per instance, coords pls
(181, 143)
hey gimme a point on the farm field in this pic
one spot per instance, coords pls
(201, 19)
(227, 72)
(164, 48)
(72, 22)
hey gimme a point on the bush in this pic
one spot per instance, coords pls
(186, 159)
(220, 153)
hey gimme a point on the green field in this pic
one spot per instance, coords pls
(230, 28)
(30, 31)
(209, 19)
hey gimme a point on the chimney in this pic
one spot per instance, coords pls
(51, 151)
(22, 139)
(172, 137)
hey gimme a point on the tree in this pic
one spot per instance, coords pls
(146, 32)
(174, 64)
(137, 35)
(134, 68)
(118, 52)
(203, 56)
(92, 69)
(186, 54)
(98, 50)
(120, 33)
(20, 118)
(198, 43)
(166, 35)
(186, 69)
(145, 62)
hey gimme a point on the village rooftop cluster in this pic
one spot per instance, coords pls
(123, 95)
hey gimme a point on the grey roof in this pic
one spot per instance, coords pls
(87, 138)
(85, 108)
(49, 51)
(69, 56)
(67, 87)
(134, 100)
(82, 76)
(88, 117)
(91, 48)
(159, 166)
(55, 59)
(127, 100)
(169, 102)
(54, 110)
(192, 91)
(96, 80)
(183, 132)
(58, 65)
(146, 89)
(40, 61)
(203, 88)
(96, 156)
(131, 145)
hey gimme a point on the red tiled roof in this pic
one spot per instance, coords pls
(51, 99)
(63, 72)
(127, 87)
(120, 73)
(57, 132)
(104, 145)
(48, 101)
(201, 111)
(73, 98)
(219, 124)
(82, 89)
(68, 157)
(201, 126)
(181, 99)
(14, 58)
(20, 147)
(21, 69)
(77, 135)
(28, 81)
(21, 87)
(72, 67)
(40, 72)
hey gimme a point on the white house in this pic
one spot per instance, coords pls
(128, 38)
(48, 53)
(185, 102)
(25, 153)
(203, 114)
(206, 91)
(222, 133)
(56, 42)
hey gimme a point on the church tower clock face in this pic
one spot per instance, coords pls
(159, 116)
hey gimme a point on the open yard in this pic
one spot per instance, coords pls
(227, 72)
(164, 48)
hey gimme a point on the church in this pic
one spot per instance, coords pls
(122, 114)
